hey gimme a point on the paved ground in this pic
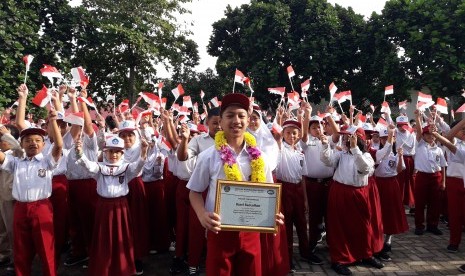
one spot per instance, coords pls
(412, 255)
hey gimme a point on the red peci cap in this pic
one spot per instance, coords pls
(292, 123)
(33, 131)
(236, 99)
(425, 129)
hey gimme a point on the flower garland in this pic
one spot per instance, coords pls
(231, 168)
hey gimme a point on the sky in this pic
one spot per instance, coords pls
(206, 12)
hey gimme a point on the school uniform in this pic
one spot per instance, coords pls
(392, 208)
(429, 161)
(455, 194)
(318, 179)
(152, 176)
(82, 192)
(227, 252)
(6, 214)
(406, 177)
(33, 214)
(349, 237)
(291, 167)
(171, 182)
(112, 250)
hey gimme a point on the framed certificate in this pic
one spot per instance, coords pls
(248, 206)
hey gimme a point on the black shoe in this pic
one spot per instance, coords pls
(462, 268)
(177, 266)
(419, 231)
(434, 230)
(314, 259)
(342, 269)
(74, 260)
(139, 267)
(452, 248)
(5, 262)
(386, 247)
(373, 262)
(384, 256)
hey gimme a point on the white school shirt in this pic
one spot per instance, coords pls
(112, 181)
(429, 159)
(32, 177)
(352, 168)
(375, 146)
(312, 151)
(153, 167)
(90, 150)
(291, 164)
(387, 162)
(6, 182)
(455, 169)
(62, 164)
(267, 144)
(196, 145)
(209, 169)
(407, 140)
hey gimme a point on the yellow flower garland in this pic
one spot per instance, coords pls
(232, 171)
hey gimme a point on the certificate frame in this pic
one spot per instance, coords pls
(271, 194)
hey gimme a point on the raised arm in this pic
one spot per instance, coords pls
(306, 120)
(183, 154)
(21, 110)
(54, 132)
(87, 128)
(418, 124)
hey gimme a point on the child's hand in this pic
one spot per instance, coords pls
(78, 148)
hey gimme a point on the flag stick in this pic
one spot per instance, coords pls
(25, 76)
(137, 101)
(234, 83)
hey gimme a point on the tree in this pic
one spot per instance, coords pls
(119, 42)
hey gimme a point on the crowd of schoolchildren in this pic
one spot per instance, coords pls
(117, 189)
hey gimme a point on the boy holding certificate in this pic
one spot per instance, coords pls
(234, 157)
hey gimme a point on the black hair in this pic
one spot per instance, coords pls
(110, 122)
(213, 112)
(14, 131)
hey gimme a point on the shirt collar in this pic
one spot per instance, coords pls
(37, 157)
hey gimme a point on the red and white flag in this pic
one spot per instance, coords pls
(347, 95)
(290, 71)
(79, 76)
(239, 77)
(42, 98)
(123, 106)
(202, 94)
(423, 106)
(332, 91)
(339, 97)
(178, 91)
(203, 115)
(76, 118)
(187, 102)
(424, 98)
(461, 109)
(403, 104)
(381, 124)
(276, 128)
(293, 98)
(389, 90)
(183, 118)
(441, 105)
(305, 86)
(50, 72)
(150, 98)
(88, 101)
(215, 102)
(163, 102)
(27, 61)
(159, 86)
(277, 90)
(385, 108)
(164, 144)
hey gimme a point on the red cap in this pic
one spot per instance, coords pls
(236, 99)
(292, 123)
(33, 131)
(425, 129)
(202, 128)
(353, 130)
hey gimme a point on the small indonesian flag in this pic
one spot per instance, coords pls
(239, 77)
(372, 107)
(159, 86)
(215, 102)
(88, 101)
(389, 90)
(50, 72)
(461, 109)
(424, 98)
(203, 115)
(381, 124)
(42, 98)
(441, 105)
(403, 104)
(79, 76)
(202, 94)
(141, 114)
(136, 111)
(290, 71)
(339, 97)
(123, 106)
(28, 60)
(276, 128)
(423, 106)
(111, 98)
(277, 90)
(186, 101)
(332, 90)
(293, 98)
(75, 118)
(305, 86)
(163, 102)
(183, 118)
(150, 98)
(385, 108)
(178, 91)
(164, 144)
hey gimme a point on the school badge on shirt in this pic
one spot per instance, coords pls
(41, 173)
(121, 179)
